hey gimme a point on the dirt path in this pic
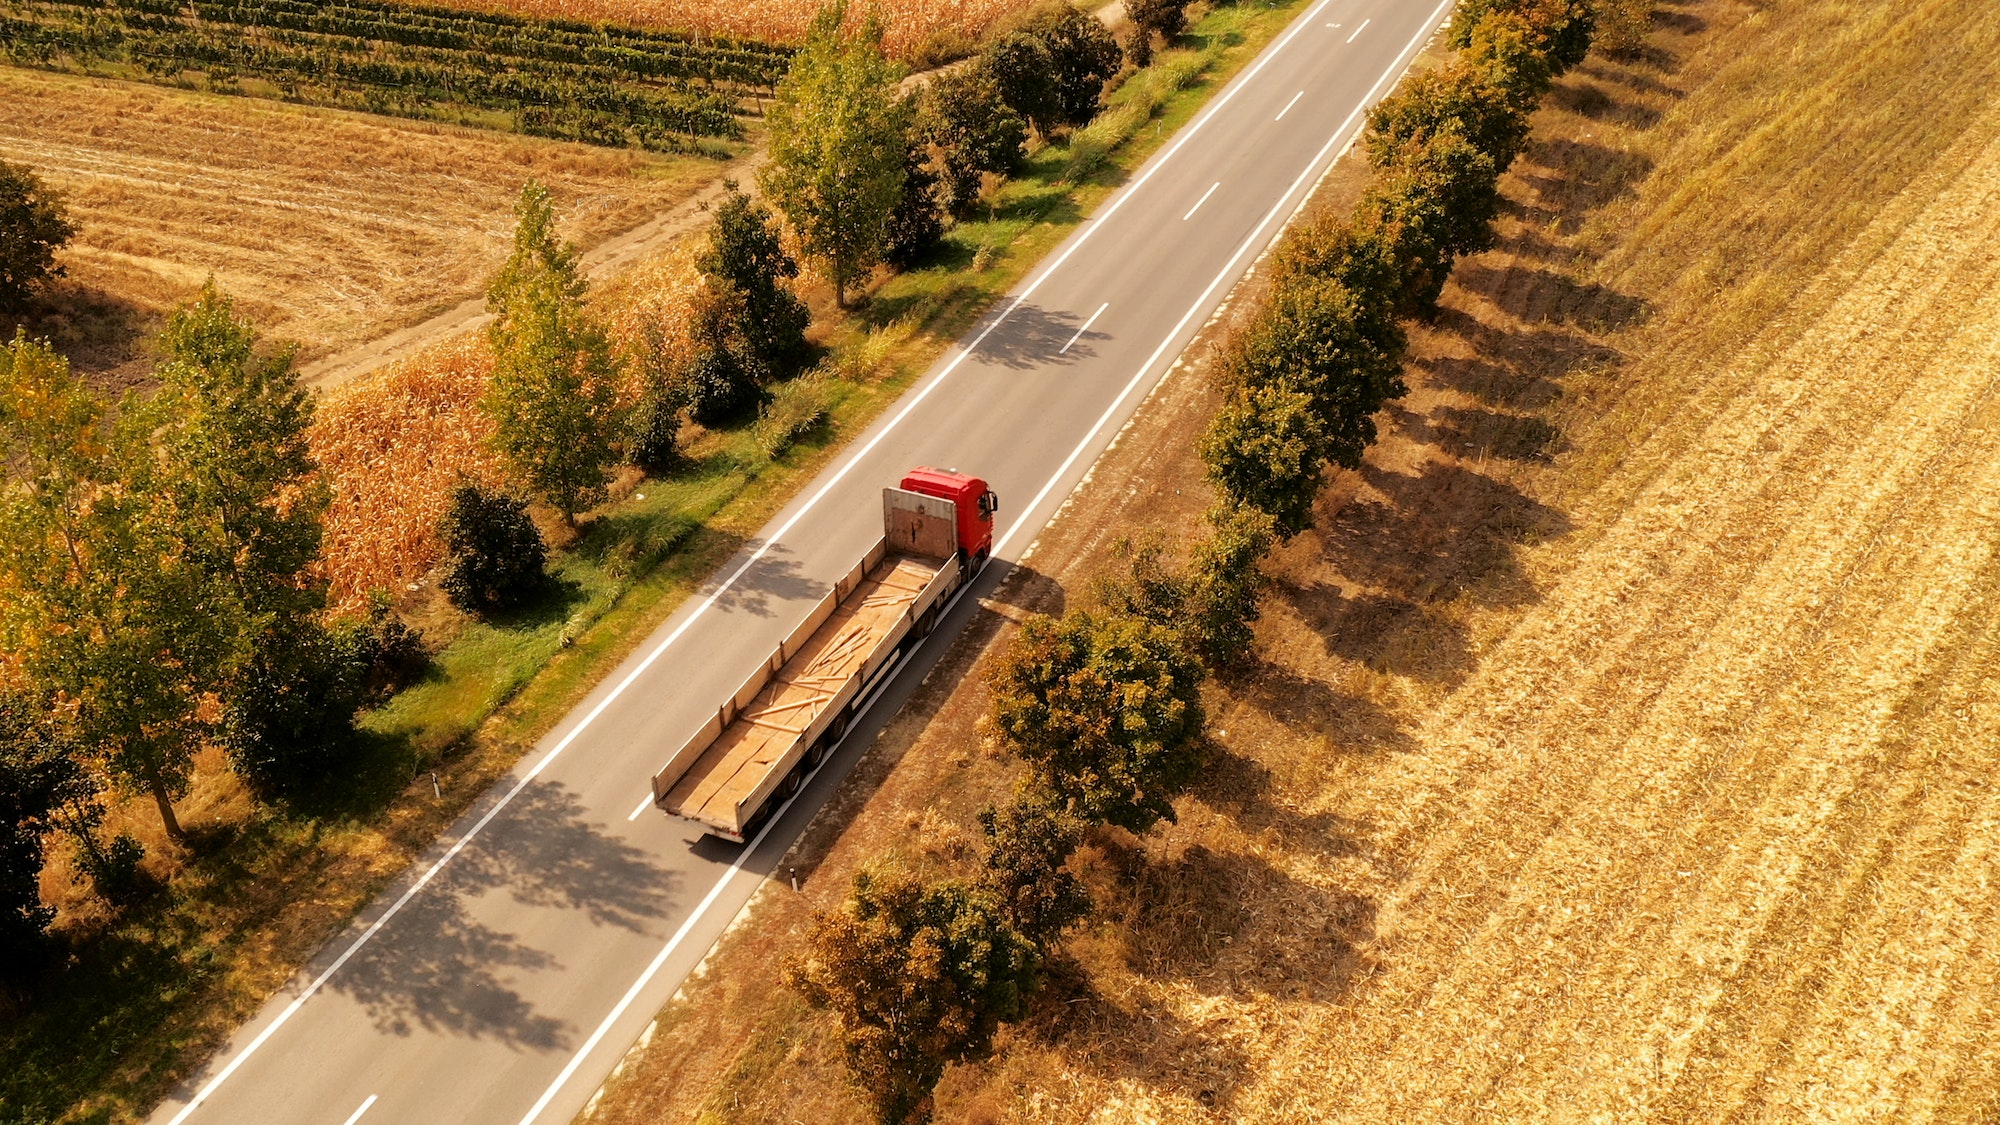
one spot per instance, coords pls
(601, 261)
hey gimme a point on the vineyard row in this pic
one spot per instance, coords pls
(599, 84)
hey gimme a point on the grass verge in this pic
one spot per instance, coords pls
(153, 991)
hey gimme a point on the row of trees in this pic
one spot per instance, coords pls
(1103, 705)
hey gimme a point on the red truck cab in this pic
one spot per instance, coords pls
(974, 502)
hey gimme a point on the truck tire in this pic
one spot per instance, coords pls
(790, 786)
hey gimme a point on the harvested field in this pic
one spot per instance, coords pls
(329, 228)
(1623, 746)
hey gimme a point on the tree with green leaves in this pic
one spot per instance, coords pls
(1164, 18)
(746, 253)
(1342, 350)
(1224, 584)
(916, 227)
(495, 558)
(968, 130)
(232, 463)
(34, 224)
(1084, 52)
(1106, 709)
(1562, 28)
(838, 147)
(1024, 74)
(1028, 845)
(553, 395)
(1266, 449)
(1435, 203)
(41, 775)
(1460, 96)
(919, 976)
(109, 607)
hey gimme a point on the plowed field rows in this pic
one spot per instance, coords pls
(330, 228)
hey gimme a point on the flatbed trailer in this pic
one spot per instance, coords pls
(771, 733)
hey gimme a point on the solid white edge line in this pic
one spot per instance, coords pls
(1093, 226)
(1289, 105)
(362, 1110)
(1085, 328)
(1202, 200)
(1359, 30)
(749, 849)
(643, 806)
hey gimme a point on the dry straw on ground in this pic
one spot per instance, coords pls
(329, 228)
(1625, 742)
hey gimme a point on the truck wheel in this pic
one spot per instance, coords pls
(793, 780)
(928, 621)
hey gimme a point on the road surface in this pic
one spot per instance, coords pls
(502, 977)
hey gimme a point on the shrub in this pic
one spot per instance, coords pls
(1561, 28)
(289, 726)
(1342, 351)
(746, 253)
(1432, 102)
(916, 227)
(497, 558)
(795, 411)
(1224, 584)
(33, 225)
(919, 976)
(1106, 708)
(1024, 73)
(968, 129)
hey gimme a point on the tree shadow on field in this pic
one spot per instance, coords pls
(1594, 101)
(106, 338)
(438, 966)
(1242, 789)
(1472, 434)
(1310, 708)
(1387, 634)
(1539, 296)
(1573, 178)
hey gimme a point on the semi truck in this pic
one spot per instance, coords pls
(768, 736)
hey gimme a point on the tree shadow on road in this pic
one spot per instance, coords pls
(440, 966)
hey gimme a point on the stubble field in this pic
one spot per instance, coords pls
(1622, 746)
(329, 228)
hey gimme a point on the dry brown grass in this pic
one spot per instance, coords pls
(330, 228)
(1623, 744)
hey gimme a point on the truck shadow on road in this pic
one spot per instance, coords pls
(443, 966)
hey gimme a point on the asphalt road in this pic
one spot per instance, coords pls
(504, 975)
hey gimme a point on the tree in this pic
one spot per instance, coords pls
(1164, 18)
(837, 147)
(745, 252)
(108, 608)
(1343, 351)
(1562, 28)
(919, 976)
(1024, 73)
(917, 225)
(1028, 844)
(1266, 449)
(496, 558)
(41, 774)
(1436, 204)
(1224, 584)
(968, 129)
(1106, 708)
(553, 396)
(1460, 96)
(1084, 53)
(34, 224)
(232, 464)
(1510, 54)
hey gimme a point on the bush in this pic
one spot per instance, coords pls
(1561, 28)
(746, 253)
(1343, 351)
(967, 129)
(916, 226)
(919, 976)
(1224, 585)
(497, 560)
(1432, 102)
(33, 225)
(1436, 205)
(289, 726)
(1106, 708)
(653, 439)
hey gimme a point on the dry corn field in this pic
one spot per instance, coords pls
(907, 24)
(1625, 744)
(397, 442)
(329, 228)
